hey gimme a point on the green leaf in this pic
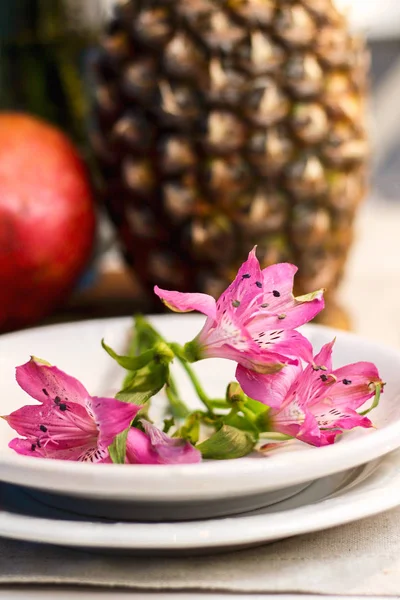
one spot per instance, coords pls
(146, 338)
(117, 449)
(190, 430)
(168, 424)
(163, 352)
(137, 398)
(151, 377)
(144, 384)
(131, 363)
(227, 443)
(145, 333)
(240, 422)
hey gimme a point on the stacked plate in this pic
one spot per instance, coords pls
(191, 508)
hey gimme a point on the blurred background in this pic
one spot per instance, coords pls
(173, 137)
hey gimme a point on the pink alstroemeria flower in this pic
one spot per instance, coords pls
(253, 321)
(68, 424)
(314, 404)
(155, 447)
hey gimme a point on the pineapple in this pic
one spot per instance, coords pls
(224, 124)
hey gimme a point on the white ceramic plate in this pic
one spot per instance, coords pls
(76, 349)
(352, 495)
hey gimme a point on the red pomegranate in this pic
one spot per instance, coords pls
(47, 219)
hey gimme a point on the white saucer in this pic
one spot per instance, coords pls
(354, 495)
(75, 348)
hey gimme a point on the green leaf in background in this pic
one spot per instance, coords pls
(190, 430)
(168, 424)
(163, 353)
(132, 397)
(131, 363)
(152, 377)
(240, 422)
(227, 443)
(145, 334)
(117, 449)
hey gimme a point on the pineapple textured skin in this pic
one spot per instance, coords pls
(224, 124)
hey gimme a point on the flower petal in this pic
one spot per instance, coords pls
(247, 283)
(65, 424)
(180, 302)
(279, 277)
(254, 319)
(354, 386)
(170, 450)
(254, 359)
(297, 422)
(320, 404)
(139, 449)
(228, 330)
(286, 343)
(230, 340)
(278, 307)
(112, 417)
(155, 447)
(45, 383)
(324, 357)
(315, 382)
(268, 389)
(85, 453)
(340, 418)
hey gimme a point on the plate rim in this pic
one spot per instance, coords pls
(333, 459)
(343, 507)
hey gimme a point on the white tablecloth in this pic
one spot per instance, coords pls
(362, 558)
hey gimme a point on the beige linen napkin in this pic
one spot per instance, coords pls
(360, 558)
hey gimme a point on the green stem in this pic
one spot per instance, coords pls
(143, 338)
(375, 402)
(177, 350)
(179, 408)
(219, 403)
(248, 414)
